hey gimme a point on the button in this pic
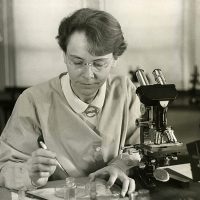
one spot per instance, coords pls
(91, 111)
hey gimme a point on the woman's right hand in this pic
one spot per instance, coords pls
(40, 166)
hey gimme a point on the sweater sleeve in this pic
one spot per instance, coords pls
(133, 107)
(127, 160)
(17, 142)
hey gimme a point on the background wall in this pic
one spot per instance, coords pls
(197, 33)
(38, 56)
(154, 34)
(160, 34)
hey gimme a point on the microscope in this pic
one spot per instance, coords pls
(158, 144)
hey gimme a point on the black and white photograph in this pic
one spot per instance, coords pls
(99, 99)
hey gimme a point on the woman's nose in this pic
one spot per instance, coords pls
(88, 72)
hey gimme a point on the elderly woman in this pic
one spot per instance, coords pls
(84, 116)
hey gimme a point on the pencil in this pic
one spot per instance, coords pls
(45, 147)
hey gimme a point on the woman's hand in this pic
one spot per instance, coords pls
(128, 184)
(40, 166)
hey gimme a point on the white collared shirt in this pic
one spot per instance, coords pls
(78, 105)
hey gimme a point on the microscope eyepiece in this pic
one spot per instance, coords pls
(142, 79)
(158, 75)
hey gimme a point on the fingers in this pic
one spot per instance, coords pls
(44, 160)
(41, 171)
(100, 172)
(125, 186)
(128, 184)
(41, 164)
(41, 174)
(112, 179)
(43, 153)
(92, 177)
(131, 185)
(42, 168)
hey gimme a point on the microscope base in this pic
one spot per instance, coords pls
(146, 180)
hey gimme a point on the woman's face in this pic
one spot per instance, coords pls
(87, 72)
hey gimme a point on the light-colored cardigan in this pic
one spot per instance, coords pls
(43, 109)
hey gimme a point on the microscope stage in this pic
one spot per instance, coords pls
(162, 148)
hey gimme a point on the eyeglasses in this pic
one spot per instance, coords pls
(96, 65)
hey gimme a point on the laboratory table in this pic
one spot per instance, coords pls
(164, 191)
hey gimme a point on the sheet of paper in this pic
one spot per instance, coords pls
(47, 193)
(16, 197)
(81, 192)
(183, 169)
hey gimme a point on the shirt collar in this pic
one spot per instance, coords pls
(76, 104)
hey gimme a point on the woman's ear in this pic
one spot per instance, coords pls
(65, 57)
(114, 64)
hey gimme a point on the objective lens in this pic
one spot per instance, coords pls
(141, 77)
(158, 75)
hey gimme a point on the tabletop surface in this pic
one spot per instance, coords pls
(168, 190)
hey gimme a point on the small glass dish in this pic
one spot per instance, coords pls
(60, 192)
(81, 192)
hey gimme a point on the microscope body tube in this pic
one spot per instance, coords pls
(142, 79)
(158, 75)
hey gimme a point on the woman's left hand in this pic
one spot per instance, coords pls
(128, 184)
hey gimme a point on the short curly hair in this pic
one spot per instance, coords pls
(102, 30)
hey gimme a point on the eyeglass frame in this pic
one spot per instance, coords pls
(90, 64)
